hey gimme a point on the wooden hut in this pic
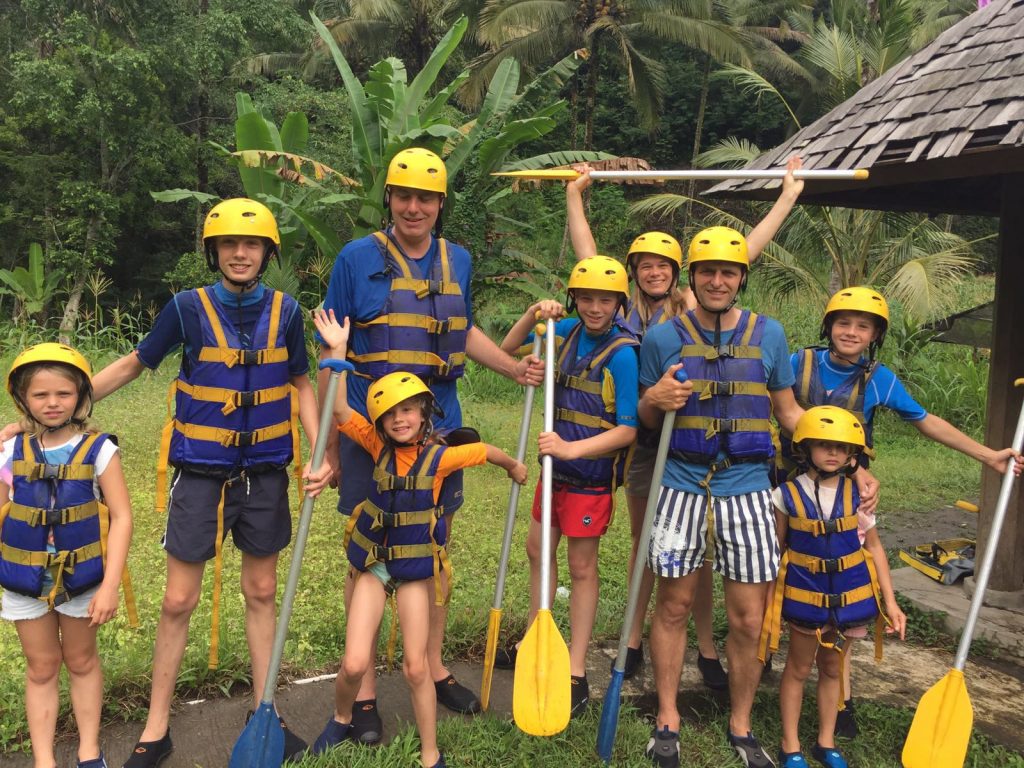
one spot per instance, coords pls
(943, 132)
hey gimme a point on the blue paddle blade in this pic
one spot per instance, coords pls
(261, 743)
(609, 716)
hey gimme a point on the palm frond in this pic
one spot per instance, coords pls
(730, 152)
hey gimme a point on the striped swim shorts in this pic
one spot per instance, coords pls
(746, 547)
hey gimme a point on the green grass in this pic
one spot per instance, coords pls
(916, 476)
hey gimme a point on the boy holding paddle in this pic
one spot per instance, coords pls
(595, 423)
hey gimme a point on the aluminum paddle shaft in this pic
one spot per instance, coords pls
(568, 174)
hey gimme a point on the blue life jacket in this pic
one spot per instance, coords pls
(585, 407)
(423, 326)
(236, 409)
(730, 408)
(399, 524)
(809, 392)
(826, 578)
(58, 498)
(632, 320)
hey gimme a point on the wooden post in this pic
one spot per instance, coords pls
(1004, 401)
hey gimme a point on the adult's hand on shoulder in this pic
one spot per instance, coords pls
(11, 430)
(867, 486)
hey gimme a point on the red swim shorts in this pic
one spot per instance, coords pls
(580, 512)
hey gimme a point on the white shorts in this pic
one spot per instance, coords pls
(21, 607)
(746, 546)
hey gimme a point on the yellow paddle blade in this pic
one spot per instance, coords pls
(564, 174)
(941, 729)
(542, 689)
(490, 650)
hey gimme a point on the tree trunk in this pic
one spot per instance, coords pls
(202, 111)
(702, 104)
(70, 319)
(591, 97)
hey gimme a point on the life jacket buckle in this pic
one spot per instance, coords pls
(725, 425)
(245, 399)
(244, 439)
(51, 516)
(445, 369)
(387, 519)
(248, 357)
(48, 472)
(381, 553)
(829, 526)
(832, 601)
(832, 565)
(61, 598)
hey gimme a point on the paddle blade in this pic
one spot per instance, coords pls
(610, 716)
(261, 743)
(941, 729)
(542, 687)
(563, 174)
(490, 650)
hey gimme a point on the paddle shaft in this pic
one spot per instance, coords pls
(981, 580)
(513, 497)
(281, 633)
(547, 468)
(567, 174)
(640, 562)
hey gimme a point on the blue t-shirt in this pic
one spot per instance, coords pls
(178, 323)
(660, 351)
(622, 366)
(359, 288)
(884, 389)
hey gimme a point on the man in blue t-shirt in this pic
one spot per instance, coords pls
(406, 293)
(714, 500)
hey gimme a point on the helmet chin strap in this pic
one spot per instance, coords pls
(848, 469)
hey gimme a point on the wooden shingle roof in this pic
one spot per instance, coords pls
(933, 130)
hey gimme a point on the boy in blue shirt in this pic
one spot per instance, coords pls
(595, 423)
(846, 374)
(232, 438)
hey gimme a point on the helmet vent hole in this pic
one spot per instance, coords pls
(248, 214)
(827, 421)
(403, 166)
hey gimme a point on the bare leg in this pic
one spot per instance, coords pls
(414, 602)
(259, 587)
(181, 595)
(582, 558)
(533, 553)
(830, 667)
(744, 604)
(799, 660)
(703, 612)
(368, 685)
(672, 602)
(364, 612)
(85, 677)
(40, 642)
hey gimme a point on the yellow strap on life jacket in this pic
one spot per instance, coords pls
(4, 510)
(386, 481)
(233, 357)
(771, 626)
(165, 450)
(819, 565)
(583, 419)
(32, 469)
(230, 438)
(821, 600)
(804, 393)
(233, 399)
(420, 286)
(66, 559)
(742, 350)
(34, 516)
(426, 322)
(126, 580)
(708, 388)
(578, 383)
(410, 357)
(426, 517)
(713, 426)
(822, 527)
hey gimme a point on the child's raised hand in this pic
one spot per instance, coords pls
(583, 181)
(334, 335)
(103, 606)
(518, 473)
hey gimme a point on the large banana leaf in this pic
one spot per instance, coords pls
(424, 80)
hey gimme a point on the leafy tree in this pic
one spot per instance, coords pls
(32, 288)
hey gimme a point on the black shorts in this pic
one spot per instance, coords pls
(255, 511)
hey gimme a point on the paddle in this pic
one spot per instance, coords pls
(261, 743)
(612, 697)
(542, 686)
(568, 174)
(494, 619)
(942, 724)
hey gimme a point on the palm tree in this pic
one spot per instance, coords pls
(537, 32)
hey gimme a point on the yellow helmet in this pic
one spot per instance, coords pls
(857, 299)
(418, 168)
(719, 244)
(388, 391)
(828, 422)
(658, 243)
(599, 273)
(241, 216)
(50, 352)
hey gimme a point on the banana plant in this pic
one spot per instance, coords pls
(31, 288)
